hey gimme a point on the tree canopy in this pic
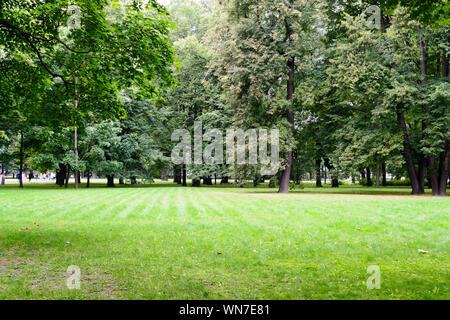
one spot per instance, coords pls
(357, 89)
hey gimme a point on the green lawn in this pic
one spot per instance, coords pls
(169, 242)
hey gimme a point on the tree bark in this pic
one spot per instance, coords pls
(377, 183)
(21, 156)
(110, 183)
(195, 182)
(176, 175)
(334, 178)
(61, 175)
(384, 174)
(184, 176)
(422, 173)
(76, 102)
(88, 184)
(207, 181)
(407, 153)
(444, 157)
(224, 180)
(286, 176)
(369, 177)
(443, 169)
(66, 185)
(433, 176)
(318, 173)
(2, 176)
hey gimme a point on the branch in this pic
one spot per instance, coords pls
(9, 25)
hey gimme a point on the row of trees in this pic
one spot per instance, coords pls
(357, 98)
(71, 72)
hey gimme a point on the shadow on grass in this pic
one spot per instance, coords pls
(32, 239)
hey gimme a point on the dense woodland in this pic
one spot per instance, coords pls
(99, 89)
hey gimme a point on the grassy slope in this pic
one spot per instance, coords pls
(167, 242)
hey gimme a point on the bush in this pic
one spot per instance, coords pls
(400, 183)
(363, 181)
(393, 183)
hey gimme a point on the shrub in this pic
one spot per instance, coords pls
(400, 183)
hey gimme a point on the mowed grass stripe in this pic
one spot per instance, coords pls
(209, 243)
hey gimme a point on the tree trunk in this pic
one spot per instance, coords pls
(384, 174)
(377, 183)
(422, 173)
(207, 181)
(318, 173)
(133, 180)
(334, 178)
(444, 156)
(369, 177)
(2, 177)
(443, 169)
(407, 154)
(433, 176)
(21, 156)
(195, 182)
(88, 184)
(425, 110)
(176, 174)
(224, 180)
(76, 102)
(76, 172)
(121, 181)
(67, 176)
(110, 183)
(286, 176)
(61, 175)
(184, 176)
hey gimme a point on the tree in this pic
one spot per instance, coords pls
(262, 46)
(376, 73)
(92, 60)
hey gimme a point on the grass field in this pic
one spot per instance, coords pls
(169, 242)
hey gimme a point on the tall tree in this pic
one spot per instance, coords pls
(263, 45)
